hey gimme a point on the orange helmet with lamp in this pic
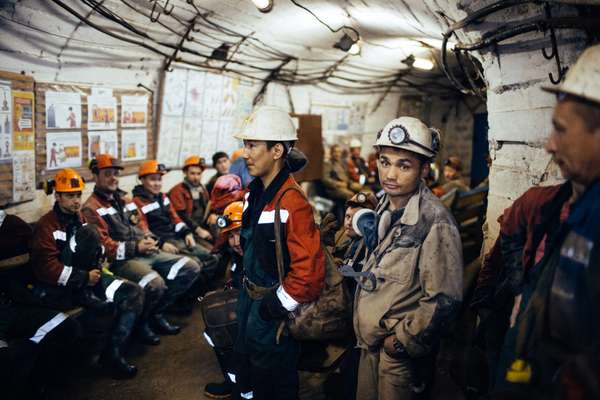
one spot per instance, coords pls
(232, 217)
(65, 181)
(151, 167)
(194, 161)
(103, 161)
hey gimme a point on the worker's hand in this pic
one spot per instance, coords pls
(93, 277)
(328, 227)
(189, 240)
(146, 246)
(203, 233)
(169, 248)
(515, 310)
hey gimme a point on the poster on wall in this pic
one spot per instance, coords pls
(63, 110)
(23, 176)
(229, 97)
(170, 141)
(63, 149)
(134, 144)
(134, 110)
(213, 96)
(102, 112)
(23, 121)
(5, 121)
(173, 101)
(356, 116)
(103, 142)
(191, 139)
(195, 92)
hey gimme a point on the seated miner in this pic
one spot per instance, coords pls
(453, 175)
(190, 197)
(39, 347)
(66, 260)
(336, 183)
(133, 251)
(358, 170)
(221, 163)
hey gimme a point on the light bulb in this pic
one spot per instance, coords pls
(263, 5)
(423, 63)
(354, 49)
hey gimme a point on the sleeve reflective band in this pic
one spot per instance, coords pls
(73, 243)
(121, 251)
(268, 217)
(130, 207)
(231, 377)
(65, 275)
(47, 327)
(60, 235)
(208, 339)
(3, 344)
(233, 267)
(248, 395)
(110, 211)
(146, 279)
(112, 289)
(101, 211)
(176, 267)
(286, 300)
(150, 207)
(179, 226)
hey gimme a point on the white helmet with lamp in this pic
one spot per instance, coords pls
(410, 134)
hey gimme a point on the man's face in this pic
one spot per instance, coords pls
(152, 183)
(69, 202)
(350, 211)
(194, 175)
(233, 239)
(355, 151)
(450, 173)
(108, 179)
(336, 153)
(573, 146)
(259, 158)
(400, 171)
(223, 165)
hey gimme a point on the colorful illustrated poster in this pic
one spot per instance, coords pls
(134, 111)
(191, 140)
(23, 114)
(213, 96)
(103, 142)
(169, 141)
(134, 144)
(63, 110)
(102, 112)
(173, 101)
(195, 97)
(23, 176)
(5, 121)
(63, 149)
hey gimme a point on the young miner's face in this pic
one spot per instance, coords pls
(450, 173)
(108, 179)
(573, 146)
(355, 151)
(194, 175)
(335, 153)
(400, 171)
(223, 165)
(152, 183)
(350, 211)
(259, 158)
(233, 239)
(69, 202)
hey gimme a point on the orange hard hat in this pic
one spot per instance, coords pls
(236, 154)
(68, 181)
(151, 167)
(232, 217)
(194, 161)
(102, 161)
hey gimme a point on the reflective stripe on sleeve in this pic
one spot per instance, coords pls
(73, 244)
(286, 300)
(60, 235)
(150, 207)
(101, 211)
(110, 211)
(121, 251)
(233, 267)
(208, 339)
(179, 226)
(130, 207)
(146, 279)
(47, 327)
(268, 217)
(65, 275)
(176, 267)
(112, 289)
(231, 377)
(247, 395)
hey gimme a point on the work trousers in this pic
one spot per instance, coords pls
(163, 276)
(381, 377)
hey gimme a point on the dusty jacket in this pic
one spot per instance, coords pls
(334, 173)
(418, 264)
(305, 260)
(190, 210)
(158, 214)
(52, 233)
(118, 222)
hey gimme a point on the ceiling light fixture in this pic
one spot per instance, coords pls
(263, 6)
(346, 43)
(220, 53)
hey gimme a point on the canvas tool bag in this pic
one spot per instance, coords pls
(220, 318)
(330, 315)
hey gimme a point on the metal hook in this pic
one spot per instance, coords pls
(165, 8)
(554, 53)
(154, 17)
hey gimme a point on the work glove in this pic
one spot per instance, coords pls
(328, 228)
(271, 308)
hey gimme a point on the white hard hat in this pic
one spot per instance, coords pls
(410, 134)
(583, 78)
(268, 123)
(355, 143)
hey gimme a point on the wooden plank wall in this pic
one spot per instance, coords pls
(131, 167)
(24, 83)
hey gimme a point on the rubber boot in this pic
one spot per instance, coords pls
(119, 366)
(146, 335)
(164, 327)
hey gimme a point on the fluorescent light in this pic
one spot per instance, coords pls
(263, 5)
(423, 63)
(354, 49)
